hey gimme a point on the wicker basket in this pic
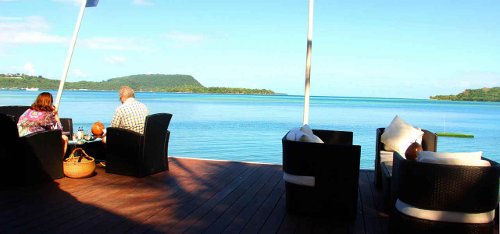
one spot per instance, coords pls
(79, 166)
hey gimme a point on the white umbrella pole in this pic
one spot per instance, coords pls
(308, 62)
(70, 54)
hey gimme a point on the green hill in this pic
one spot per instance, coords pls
(153, 83)
(143, 82)
(484, 95)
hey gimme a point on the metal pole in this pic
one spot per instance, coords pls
(308, 62)
(70, 54)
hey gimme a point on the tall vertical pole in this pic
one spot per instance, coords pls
(70, 54)
(308, 62)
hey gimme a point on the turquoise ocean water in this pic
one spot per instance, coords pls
(250, 127)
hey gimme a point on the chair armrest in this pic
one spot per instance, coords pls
(120, 136)
(45, 141)
(121, 142)
(319, 160)
(43, 150)
(334, 137)
(15, 111)
(67, 124)
(446, 187)
(378, 147)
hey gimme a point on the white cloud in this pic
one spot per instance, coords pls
(476, 79)
(184, 39)
(78, 73)
(120, 44)
(29, 38)
(115, 59)
(142, 2)
(70, 2)
(29, 69)
(24, 23)
(28, 30)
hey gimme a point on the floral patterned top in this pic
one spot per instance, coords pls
(35, 121)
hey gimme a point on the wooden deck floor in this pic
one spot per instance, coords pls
(195, 196)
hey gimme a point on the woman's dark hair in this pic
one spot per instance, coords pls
(43, 102)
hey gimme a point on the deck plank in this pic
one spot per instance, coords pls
(192, 200)
(196, 220)
(370, 214)
(255, 223)
(246, 213)
(194, 196)
(224, 204)
(242, 197)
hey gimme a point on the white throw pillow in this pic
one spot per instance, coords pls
(309, 135)
(306, 129)
(459, 158)
(399, 135)
(310, 138)
(303, 134)
(294, 134)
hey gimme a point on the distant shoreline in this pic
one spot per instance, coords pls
(141, 82)
(140, 91)
(473, 95)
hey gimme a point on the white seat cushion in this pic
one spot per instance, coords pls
(459, 158)
(386, 156)
(444, 216)
(299, 180)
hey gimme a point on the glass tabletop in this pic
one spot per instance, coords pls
(83, 141)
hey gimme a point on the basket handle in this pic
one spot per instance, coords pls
(72, 155)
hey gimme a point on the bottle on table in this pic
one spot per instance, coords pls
(80, 133)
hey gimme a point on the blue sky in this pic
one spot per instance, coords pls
(408, 49)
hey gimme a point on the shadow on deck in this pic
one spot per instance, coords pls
(194, 196)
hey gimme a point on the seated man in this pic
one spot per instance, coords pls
(131, 114)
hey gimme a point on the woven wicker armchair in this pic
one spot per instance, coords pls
(13, 111)
(429, 143)
(16, 111)
(133, 154)
(449, 188)
(331, 171)
(30, 159)
(67, 125)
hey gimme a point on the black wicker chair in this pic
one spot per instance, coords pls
(13, 111)
(16, 111)
(67, 125)
(134, 154)
(334, 167)
(429, 143)
(466, 189)
(30, 159)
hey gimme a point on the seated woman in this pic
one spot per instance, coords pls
(41, 116)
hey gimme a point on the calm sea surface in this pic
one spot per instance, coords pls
(250, 127)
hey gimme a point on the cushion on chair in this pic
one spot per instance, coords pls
(459, 158)
(304, 134)
(299, 180)
(444, 216)
(386, 156)
(399, 135)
